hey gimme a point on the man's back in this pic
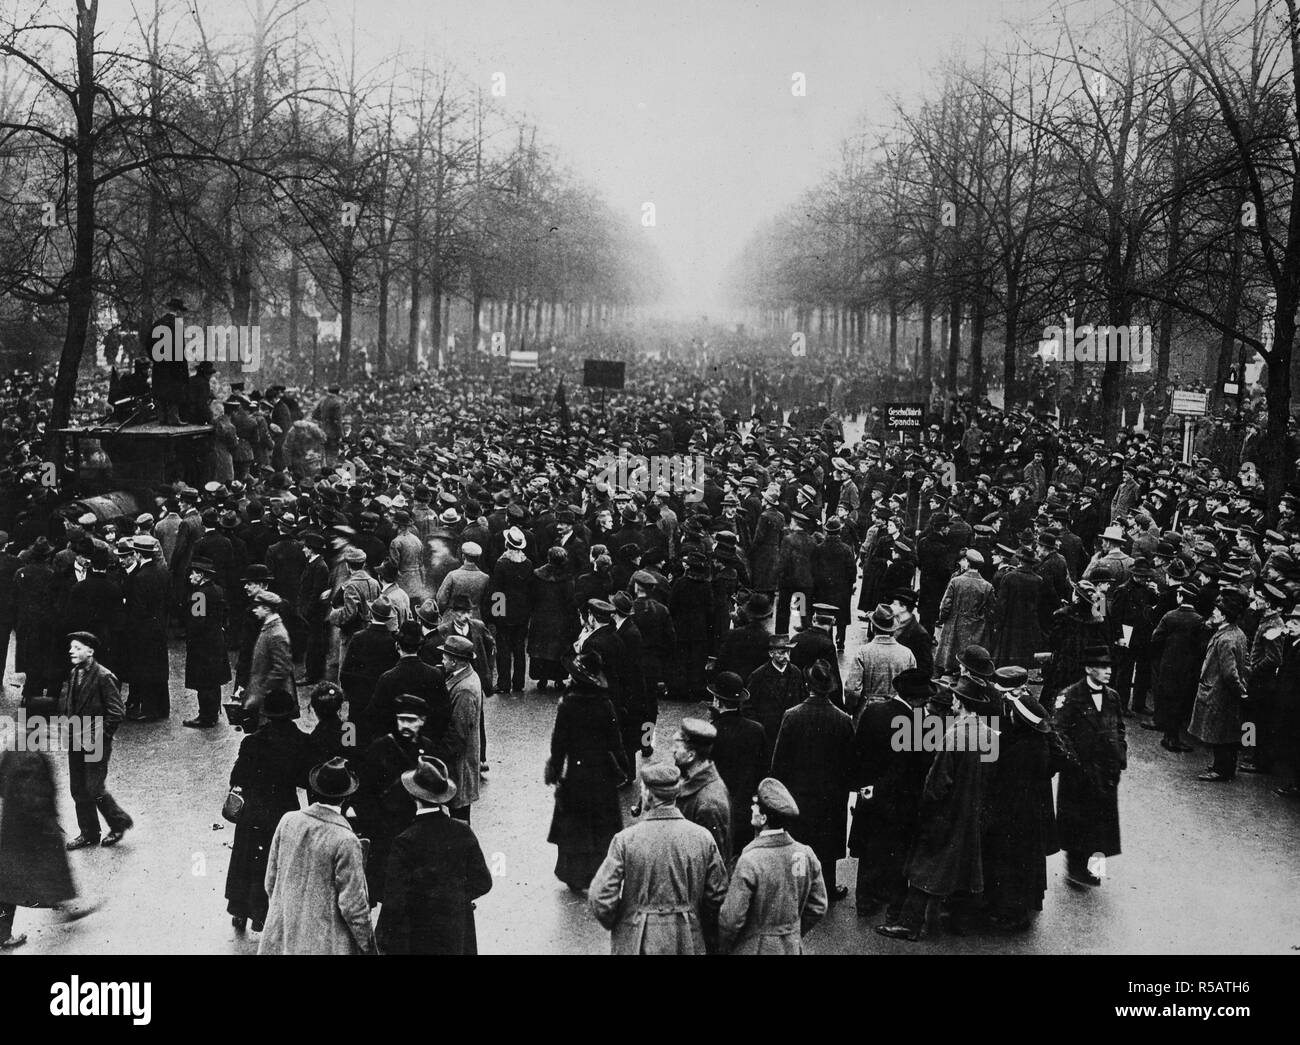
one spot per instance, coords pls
(321, 906)
(660, 877)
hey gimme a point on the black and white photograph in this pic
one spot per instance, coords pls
(611, 477)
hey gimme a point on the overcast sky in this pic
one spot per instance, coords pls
(688, 103)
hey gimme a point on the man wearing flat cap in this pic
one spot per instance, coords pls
(659, 888)
(964, 612)
(777, 893)
(272, 664)
(702, 796)
(351, 603)
(436, 871)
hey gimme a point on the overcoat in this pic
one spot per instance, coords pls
(272, 764)
(964, 614)
(1216, 715)
(554, 622)
(660, 885)
(1177, 653)
(741, 756)
(435, 873)
(834, 571)
(813, 757)
(703, 800)
(1020, 607)
(1087, 796)
(771, 694)
(321, 905)
(777, 894)
(144, 640)
(207, 664)
(946, 857)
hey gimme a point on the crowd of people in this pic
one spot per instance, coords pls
(364, 576)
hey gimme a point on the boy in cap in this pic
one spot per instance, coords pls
(659, 888)
(776, 893)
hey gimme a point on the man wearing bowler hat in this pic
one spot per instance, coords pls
(777, 893)
(435, 873)
(91, 696)
(1089, 718)
(740, 751)
(315, 875)
(663, 880)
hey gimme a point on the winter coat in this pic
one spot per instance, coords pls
(771, 694)
(703, 800)
(1019, 611)
(741, 756)
(813, 757)
(777, 894)
(321, 905)
(834, 572)
(1177, 653)
(1087, 797)
(207, 664)
(459, 747)
(436, 871)
(660, 886)
(554, 622)
(765, 550)
(964, 615)
(587, 762)
(1216, 715)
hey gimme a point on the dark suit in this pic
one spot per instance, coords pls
(384, 807)
(410, 675)
(744, 649)
(741, 756)
(91, 694)
(643, 709)
(435, 873)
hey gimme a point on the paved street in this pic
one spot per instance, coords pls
(1206, 868)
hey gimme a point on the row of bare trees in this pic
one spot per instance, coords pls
(267, 170)
(1142, 170)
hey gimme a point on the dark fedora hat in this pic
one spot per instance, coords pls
(819, 677)
(279, 703)
(729, 688)
(914, 685)
(457, 646)
(1097, 657)
(429, 781)
(759, 607)
(972, 692)
(333, 779)
(977, 661)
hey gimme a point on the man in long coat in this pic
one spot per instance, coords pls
(964, 613)
(435, 873)
(207, 663)
(315, 875)
(702, 796)
(147, 593)
(946, 858)
(272, 663)
(813, 757)
(1021, 607)
(1216, 716)
(740, 751)
(777, 893)
(1089, 719)
(1177, 653)
(834, 571)
(774, 688)
(889, 780)
(745, 647)
(659, 888)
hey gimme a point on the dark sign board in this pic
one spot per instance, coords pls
(602, 373)
(520, 399)
(904, 416)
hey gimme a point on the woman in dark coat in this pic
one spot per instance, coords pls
(34, 607)
(272, 763)
(873, 572)
(554, 622)
(587, 763)
(34, 868)
(935, 558)
(1019, 821)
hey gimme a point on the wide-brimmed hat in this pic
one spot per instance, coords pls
(759, 607)
(1029, 711)
(457, 646)
(729, 688)
(1114, 532)
(972, 692)
(429, 781)
(914, 685)
(883, 620)
(333, 779)
(977, 661)
(515, 538)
